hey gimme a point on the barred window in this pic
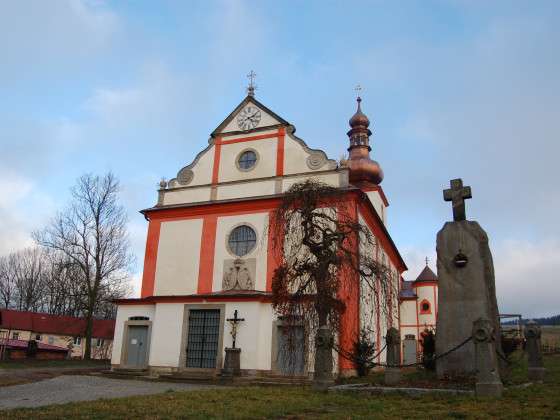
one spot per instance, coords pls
(242, 240)
(247, 160)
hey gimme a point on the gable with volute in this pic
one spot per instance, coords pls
(252, 145)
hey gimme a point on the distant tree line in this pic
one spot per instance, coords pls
(81, 261)
(41, 280)
(551, 320)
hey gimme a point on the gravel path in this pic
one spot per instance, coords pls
(63, 389)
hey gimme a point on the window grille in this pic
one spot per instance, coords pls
(247, 160)
(242, 240)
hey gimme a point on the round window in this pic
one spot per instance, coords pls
(242, 240)
(247, 160)
(425, 307)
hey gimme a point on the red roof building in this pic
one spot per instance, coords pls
(54, 324)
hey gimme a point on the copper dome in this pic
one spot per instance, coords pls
(359, 118)
(362, 168)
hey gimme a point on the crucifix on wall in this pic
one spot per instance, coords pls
(233, 322)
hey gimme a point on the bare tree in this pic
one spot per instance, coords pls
(91, 234)
(7, 287)
(320, 241)
(22, 279)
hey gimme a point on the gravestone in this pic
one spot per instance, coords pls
(393, 371)
(466, 284)
(488, 382)
(532, 334)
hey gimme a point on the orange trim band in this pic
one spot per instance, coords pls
(251, 138)
(207, 250)
(217, 209)
(185, 299)
(150, 259)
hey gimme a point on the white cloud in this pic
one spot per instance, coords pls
(527, 277)
(22, 209)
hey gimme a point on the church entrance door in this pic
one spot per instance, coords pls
(291, 348)
(203, 337)
(137, 346)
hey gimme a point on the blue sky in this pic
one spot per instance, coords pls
(453, 88)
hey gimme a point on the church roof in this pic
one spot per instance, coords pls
(426, 275)
(407, 292)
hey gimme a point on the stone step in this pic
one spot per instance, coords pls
(188, 378)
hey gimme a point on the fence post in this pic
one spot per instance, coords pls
(393, 359)
(488, 382)
(532, 334)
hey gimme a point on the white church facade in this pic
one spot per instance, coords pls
(209, 253)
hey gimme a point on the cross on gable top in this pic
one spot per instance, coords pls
(457, 194)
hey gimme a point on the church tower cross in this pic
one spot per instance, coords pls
(457, 195)
(252, 87)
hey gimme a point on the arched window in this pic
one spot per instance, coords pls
(242, 240)
(425, 307)
(247, 160)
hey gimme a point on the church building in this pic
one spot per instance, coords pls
(209, 257)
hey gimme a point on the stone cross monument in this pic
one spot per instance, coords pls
(467, 289)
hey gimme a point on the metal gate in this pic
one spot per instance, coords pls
(203, 337)
(291, 359)
(409, 349)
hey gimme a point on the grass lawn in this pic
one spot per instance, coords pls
(535, 402)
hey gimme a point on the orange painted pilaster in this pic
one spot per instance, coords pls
(207, 250)
(274, 254)
(217, 156)
(150, 259)
(350, 294)
(280, 152)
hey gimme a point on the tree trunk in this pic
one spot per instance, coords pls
(89, 332)
(323, 366)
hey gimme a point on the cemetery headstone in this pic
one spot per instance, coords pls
(488, 382)
(393, 371)
(532, 334)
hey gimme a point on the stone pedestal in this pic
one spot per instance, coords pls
(232, 363)
(466, 293)
(393, 360)
(488, 382)
(532, 334)
(322, 376)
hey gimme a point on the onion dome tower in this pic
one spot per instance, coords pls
(362, 168)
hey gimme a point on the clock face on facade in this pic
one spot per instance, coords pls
(248, 118)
